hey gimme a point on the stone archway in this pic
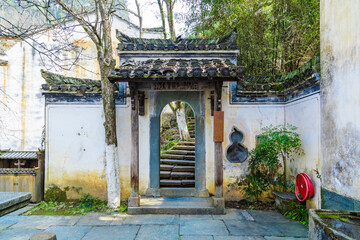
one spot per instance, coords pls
(157, 101)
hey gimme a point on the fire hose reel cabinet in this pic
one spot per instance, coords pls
(303, 187)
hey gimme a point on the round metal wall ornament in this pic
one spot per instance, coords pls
(236, 151)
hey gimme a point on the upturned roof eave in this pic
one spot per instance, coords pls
(115, 78)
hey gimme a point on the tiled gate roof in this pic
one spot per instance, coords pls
(177, 68)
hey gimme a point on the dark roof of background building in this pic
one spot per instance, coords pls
(19, 155)
(58, 82)
(177, 68)
(127, 43)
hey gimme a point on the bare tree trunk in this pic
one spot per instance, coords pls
(103, 42)
(179, 111)
(170, 16)
(162, 17)
(140, 18)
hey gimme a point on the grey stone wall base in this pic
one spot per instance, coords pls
(134, 201)
(153, 192)
(319, 230)
(285, 201)
(219, 202)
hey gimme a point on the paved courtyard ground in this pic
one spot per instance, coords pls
(236, 224)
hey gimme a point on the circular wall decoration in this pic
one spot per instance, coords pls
(236, 151)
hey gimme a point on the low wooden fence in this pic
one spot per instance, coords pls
(24, 180)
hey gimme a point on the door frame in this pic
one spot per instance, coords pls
(157, 101)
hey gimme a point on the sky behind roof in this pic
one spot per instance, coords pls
(151, 15)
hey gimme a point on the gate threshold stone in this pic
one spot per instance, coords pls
(176, 205)
(11, 201)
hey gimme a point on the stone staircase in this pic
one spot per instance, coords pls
(177, 166)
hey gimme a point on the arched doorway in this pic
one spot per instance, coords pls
(157, 101)
(177, 146)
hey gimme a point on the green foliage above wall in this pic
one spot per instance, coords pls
(275, 37)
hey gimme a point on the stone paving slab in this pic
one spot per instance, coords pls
(151, 219)
(196, 217)
(96, 219)
(22, 210)
(238, 238)
(11, 220)
(44, 222)
(268, 216)
(158, 232)
(257, 225)
(203, 227)
(247, 228)
(18, 234)
(69, 232)
(196, 238)
(291, 229)
(284, 238)
(112, 233)
(230, 214)
(119, 218)
(4, 226)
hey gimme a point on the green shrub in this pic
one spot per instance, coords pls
(275, 144)
(55, 194)
(299, 213)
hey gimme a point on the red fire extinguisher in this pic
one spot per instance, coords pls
(304, 186)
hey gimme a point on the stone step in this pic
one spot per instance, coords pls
(177, 162)
(178, 192)
(176, 206)
(188, 183)
(177, 183)
(177, 157)
(183, 169)
(181, 147)
(164, 167)
(165, 174)
(185, 143)
(192, 132)
(180, 152)
(182, 175)
(168, 182)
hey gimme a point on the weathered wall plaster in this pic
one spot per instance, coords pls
(64, 158)
(248, 118)
(22, 104)
(340, 96)
(82, 164)
(305, 115)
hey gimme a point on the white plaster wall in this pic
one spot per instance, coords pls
(144, 148)
(305, 115)
(340, 96)
(248, 118)
(75, 148)
(22, 105)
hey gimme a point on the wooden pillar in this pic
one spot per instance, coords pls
(134, 200)
(218, 139)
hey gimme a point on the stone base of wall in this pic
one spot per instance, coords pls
(334, 201)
